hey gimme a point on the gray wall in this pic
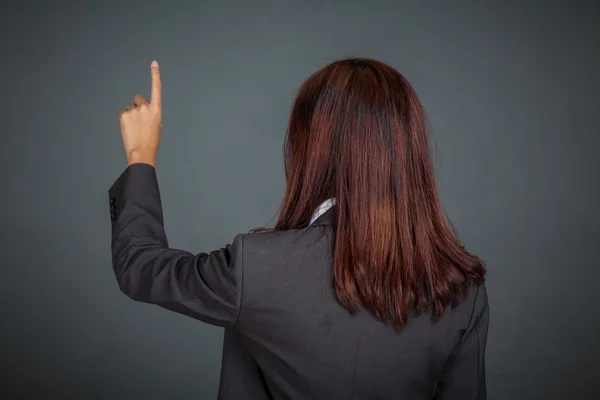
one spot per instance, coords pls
(512, 91)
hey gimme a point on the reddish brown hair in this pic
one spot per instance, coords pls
(358, 133)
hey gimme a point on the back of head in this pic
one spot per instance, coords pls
(357, 133)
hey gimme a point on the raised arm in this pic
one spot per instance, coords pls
(205, 286)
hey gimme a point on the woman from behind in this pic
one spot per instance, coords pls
(361, 291)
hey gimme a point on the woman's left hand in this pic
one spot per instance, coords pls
(141, 124)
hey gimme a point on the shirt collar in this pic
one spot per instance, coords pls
(326, 205)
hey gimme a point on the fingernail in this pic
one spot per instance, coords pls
(154, 64)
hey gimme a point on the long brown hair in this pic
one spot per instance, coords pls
(358, 133)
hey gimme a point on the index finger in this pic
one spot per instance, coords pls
(155, 96)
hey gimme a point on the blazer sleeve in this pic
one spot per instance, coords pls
(464, 375)
(205, 286)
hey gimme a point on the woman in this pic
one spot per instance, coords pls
(361, 291)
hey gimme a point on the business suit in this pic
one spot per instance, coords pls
(286, 336)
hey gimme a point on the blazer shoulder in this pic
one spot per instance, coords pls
(478, 298)
(282, 240)
(474, 301)
(474, 308)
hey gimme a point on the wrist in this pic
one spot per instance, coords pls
(136, 157)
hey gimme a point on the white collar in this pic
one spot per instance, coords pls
(326, 205)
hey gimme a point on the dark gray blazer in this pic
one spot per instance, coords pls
(286, 336)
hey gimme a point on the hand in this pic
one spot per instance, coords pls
(141, 124)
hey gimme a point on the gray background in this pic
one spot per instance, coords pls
(512, 92)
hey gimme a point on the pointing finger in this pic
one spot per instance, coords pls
(155, 97)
